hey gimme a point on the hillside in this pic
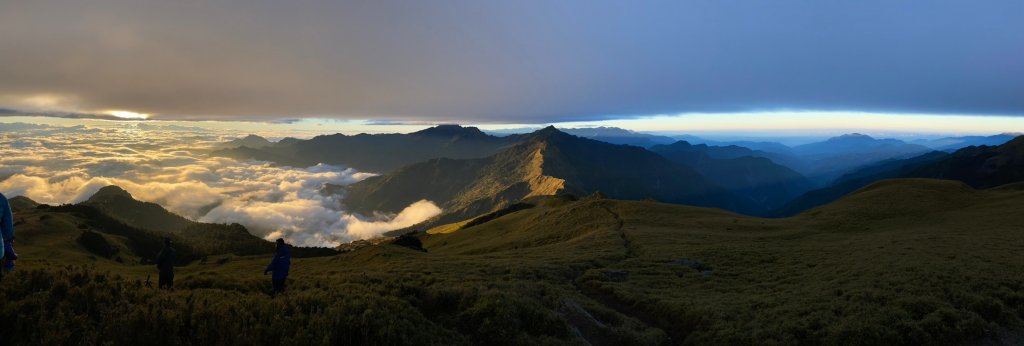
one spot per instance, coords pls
(82, 234)
(765, 184)
(119, 204)
(850, 182)
(114, 226)
(980, 167)
(378, 152)
(547, 162)
(899, 262)
(888, 264)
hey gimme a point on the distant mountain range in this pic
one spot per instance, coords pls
(954, 143)
(829, 159)
(819, 163)
(469, 172)
(615, 135)
(378, 152)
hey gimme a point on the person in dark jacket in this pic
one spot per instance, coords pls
(280, 265)
(165, 263)
(7, 255)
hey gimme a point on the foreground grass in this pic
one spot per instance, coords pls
(909, 262)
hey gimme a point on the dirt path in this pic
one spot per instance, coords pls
(587, 329)
(622, 232)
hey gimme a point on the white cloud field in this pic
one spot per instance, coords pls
(170, 165)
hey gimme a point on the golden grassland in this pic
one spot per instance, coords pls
(899, 262)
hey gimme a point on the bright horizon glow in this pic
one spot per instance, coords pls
(128, 115)
(811, 123)
(750, 125)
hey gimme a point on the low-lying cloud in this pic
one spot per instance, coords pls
(170, 166)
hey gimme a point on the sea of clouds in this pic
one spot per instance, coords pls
(171, 166)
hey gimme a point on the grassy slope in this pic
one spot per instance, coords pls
(904, 262)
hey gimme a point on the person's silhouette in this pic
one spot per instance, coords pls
(280, 265)
(165, 263)
(7, 255)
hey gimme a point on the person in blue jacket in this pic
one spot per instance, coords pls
(280, 265)
(6, 236)
(165, 263)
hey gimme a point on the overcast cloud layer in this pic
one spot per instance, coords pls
(168, 165)
(509, 61)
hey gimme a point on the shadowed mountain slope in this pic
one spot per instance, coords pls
(765, 184)
(980, 167)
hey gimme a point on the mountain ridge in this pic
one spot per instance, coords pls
(546, 162)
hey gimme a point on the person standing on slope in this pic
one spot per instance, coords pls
(7, 253)
(165, 263)
(280, 265)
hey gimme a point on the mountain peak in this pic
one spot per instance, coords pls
(119, 204)
(110, 191)
(850, 136)
(251, 141)
(680, 144)
(547, 133)
(22, 202)
(451, 130)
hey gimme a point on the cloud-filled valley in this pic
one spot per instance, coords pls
(170, 166)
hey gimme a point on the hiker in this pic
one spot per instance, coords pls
(7, 253)
(279, 266)
(165, 262)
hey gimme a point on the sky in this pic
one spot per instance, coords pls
(670, 66)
